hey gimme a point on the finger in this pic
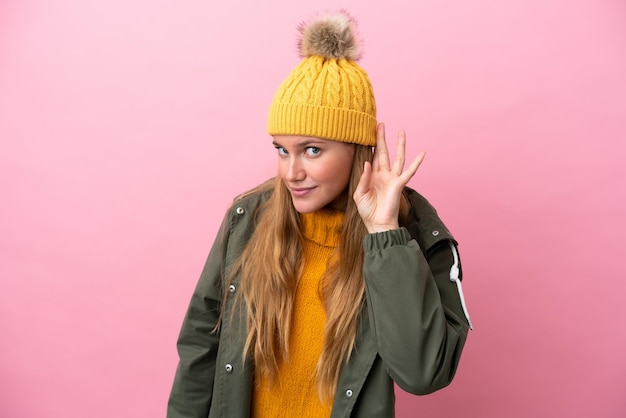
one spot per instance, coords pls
(398, 163)
(412, 168)
(381, 155)
(364, 182)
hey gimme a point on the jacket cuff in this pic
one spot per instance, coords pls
(385, 239)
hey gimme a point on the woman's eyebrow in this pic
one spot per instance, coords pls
(303, 143)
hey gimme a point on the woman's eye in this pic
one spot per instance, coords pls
(281, 151)
(312, 151)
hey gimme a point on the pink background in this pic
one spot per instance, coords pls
(128, 126)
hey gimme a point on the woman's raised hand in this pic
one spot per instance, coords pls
(378, 193)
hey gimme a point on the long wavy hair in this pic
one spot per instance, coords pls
(270, 266)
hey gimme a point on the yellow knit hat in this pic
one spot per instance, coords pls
(328, 95)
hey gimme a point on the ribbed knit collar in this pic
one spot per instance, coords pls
(323, 226)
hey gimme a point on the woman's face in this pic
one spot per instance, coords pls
(316, 171)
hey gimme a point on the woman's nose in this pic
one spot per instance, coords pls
(295, 170)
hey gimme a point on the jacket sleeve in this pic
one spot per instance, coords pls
(198, 342)
(415, 309)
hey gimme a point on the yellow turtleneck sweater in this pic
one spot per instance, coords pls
(294, 393)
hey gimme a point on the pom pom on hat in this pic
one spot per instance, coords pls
(328, 95)
(331, 36)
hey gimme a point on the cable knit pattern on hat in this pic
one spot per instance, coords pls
(326, 96)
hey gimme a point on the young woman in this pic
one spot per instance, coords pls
(333, 280)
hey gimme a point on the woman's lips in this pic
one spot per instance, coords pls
(301, 191)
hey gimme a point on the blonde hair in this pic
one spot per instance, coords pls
(270, 266)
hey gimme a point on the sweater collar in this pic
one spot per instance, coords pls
(322, 226)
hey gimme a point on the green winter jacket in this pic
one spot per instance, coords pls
(412, 333)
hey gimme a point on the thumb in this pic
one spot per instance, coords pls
(364, 182)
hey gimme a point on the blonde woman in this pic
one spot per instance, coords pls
(333, 280)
